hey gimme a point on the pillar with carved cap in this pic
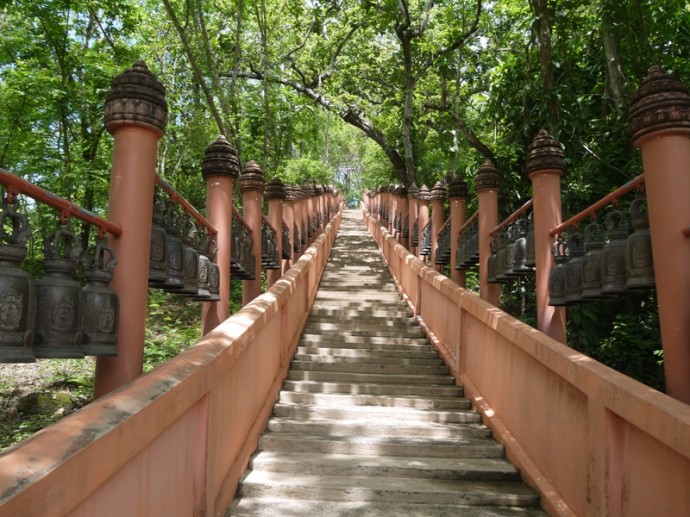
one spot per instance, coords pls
(275, 194)
(660, 127)
(437, 197)
(423, 198)
(457, 195)
(545, 166)
(220, 169)
(136, 114)
(488, 182)
(412, 216)
(252, 184)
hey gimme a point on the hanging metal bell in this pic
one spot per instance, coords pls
(530, 254)
(491, 262)
(204, 271)
(60, 314)
(190, 258)
(101, 303)
(573, 269)
(591, 262)
(613, 277)
(519, 267)
(511, 234)
(639, 263)
(502, 242)
(17, 290)
(158, 264)
(460, 254)
(174, 249)
(557, 275)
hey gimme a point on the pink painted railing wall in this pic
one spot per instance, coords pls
(591, 440)
(173, 442)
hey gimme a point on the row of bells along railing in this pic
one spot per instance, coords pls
(54, 316)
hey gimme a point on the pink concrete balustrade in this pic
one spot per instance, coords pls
(175, 441)
(591, 440)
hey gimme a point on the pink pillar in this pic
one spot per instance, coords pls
(412, 215)
(299, 219)
(545, 166)
(423, 198)
(252, 187)
(220, 169)
(393, 193)
(404, 209)
(289, 219)
(660, 125)
(275, 193)
(487, 184)
(457, 194)
(438, 197)
(136, 115)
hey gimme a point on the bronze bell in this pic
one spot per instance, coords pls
(591, 262)
(204, 271)
(557, 275)
(613, 277)
(460, 254)
(520, 267)
(213, 273)
(639, 263)
(190, 258)
(474, 244)
(158, 264)
(174, 249)
(511, 234)
(60, 315)
(101, 303)
(491, 262)
(17, 289)
(573, 269)
(530, 254)
(501, 243)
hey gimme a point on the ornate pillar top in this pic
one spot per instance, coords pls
(545, 153)
(136, 97)
(457, 188)
(252, 178)
(220, 159)
(488, 177)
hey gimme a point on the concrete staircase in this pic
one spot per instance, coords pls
(369, 421)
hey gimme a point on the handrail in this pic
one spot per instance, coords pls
(175, 196)
(468, 223)
(268, 223)
(447, 223)
(17, 185)
(512, 217)
(604, 201)
(240, 219)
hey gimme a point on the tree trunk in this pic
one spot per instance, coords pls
(540, 8)
(616, 81)
(410, 83)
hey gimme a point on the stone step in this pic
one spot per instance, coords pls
(361, 330)
(334, 312)
(386, 445)
(365, 413)
(372, 296)
(366, 353)
(365, 307)
(395, 369)
(287, 507)
(387, 489)
(364, 322)
(382, 378)
(366, 342)
(326, 399)
(318, 464)
(389, 428)
(368, 359)
(396, 390)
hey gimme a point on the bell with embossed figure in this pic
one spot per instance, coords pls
(158, 262)
(638, 250)
(501, 244)
(60, 314)
(530, 254)
(174, 250)
(491, 262)
(613, 277)
(204, 270)
(101, 303)
(190, 258)
(557, 274)
(17, 290)
(511, 234)
(591, 262)
(520, 267)
(573, 269)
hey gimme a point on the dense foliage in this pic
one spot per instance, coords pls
(352, 93)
